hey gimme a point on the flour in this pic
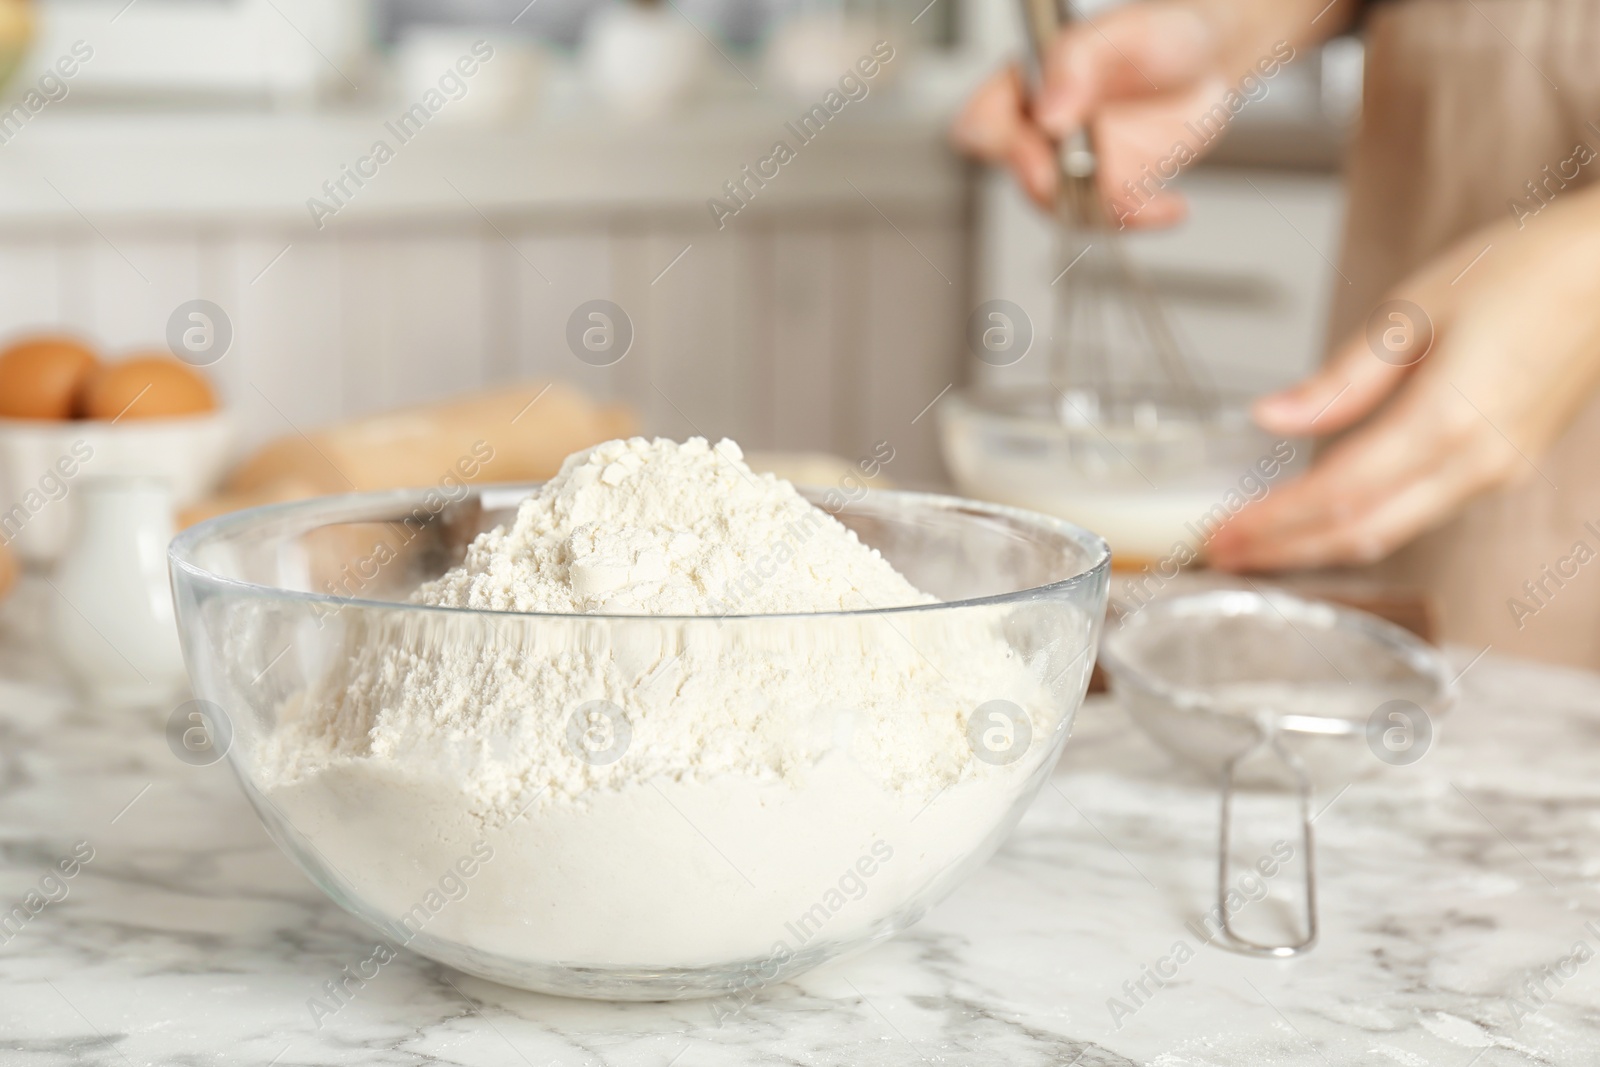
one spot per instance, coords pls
(656, 528)
(672, 784)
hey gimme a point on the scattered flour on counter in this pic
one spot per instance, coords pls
(757, 761)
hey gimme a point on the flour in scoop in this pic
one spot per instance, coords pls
(663, 780)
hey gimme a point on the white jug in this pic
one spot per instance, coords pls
(112, 619)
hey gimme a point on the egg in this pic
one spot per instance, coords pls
(41, 377)
(145, 387)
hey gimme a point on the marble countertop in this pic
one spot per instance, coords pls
(1452, 890)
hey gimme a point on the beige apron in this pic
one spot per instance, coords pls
(1459, 116)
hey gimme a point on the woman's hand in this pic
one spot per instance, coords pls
(1514, 354)
(1143, 77)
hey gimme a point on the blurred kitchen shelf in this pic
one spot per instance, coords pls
(136, 167)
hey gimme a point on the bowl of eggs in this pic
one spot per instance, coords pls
(67, 414)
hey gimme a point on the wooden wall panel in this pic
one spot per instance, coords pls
(289, 337)
(220, 268)
(31, 290)
(546, 277)
(851, 293)
(628, 251)
(807, 332)
(914, 329)
(699, 333)
(415, 318)
(798, 342)
(132, 285)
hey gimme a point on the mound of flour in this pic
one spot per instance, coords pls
(670, 784)
(642, 527)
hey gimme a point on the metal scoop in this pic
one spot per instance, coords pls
(1267, 690)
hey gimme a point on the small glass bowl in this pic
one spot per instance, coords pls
(1148, 476)
(676, 882)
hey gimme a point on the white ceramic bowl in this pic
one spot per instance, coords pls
(41, 461)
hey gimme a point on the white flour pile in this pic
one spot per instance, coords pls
(657, 792)
(656, 528)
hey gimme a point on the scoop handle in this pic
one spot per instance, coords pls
(1271, 738)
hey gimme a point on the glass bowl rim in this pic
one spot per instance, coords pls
(181, 550)
(992, 402)
(985, 409)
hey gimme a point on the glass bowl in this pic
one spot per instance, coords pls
(630, 844)
(1148, 476)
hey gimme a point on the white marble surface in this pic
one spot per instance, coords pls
(189, 939)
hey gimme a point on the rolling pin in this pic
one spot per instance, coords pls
(514, 434)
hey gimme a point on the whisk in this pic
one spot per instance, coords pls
(1115, 357)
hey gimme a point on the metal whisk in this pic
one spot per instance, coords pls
(1115, 357)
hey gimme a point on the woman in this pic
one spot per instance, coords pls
(1466, 327)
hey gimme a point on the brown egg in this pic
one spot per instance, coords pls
(145, 387)
(41, 376)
